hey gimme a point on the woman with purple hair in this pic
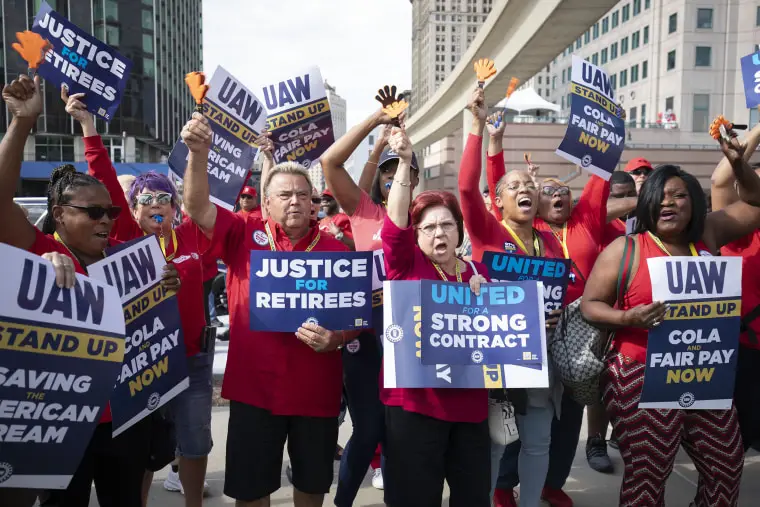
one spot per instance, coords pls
(153, 201)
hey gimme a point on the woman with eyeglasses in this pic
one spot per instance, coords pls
(152, 200)
(517, 200)
(432, 434)
(672, 220)
(76, 233)
(362, 359)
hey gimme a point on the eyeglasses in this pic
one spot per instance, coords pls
(641, 171)
(159, 198)
(429, 229)
(316, 200)
(246, 196)
(97, 212)
(516, 185)
(550, 190)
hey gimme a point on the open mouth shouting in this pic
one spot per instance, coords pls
(668, 215)
(525, 203)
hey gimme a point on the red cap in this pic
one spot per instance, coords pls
(249, 191)
(327, 193)
(638, 163)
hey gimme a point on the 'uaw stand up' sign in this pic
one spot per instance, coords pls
(691, 356)
(60, 351)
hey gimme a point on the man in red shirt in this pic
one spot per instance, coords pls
(335, 222)
(247, 202)
(281, 387)
(640, 169)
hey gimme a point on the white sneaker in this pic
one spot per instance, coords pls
(377, 479)
(172, 482)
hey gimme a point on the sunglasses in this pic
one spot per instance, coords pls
(246, 196)
(97, 212)
(641, 171)
(550, 190)
(316, 200)
(159, 198)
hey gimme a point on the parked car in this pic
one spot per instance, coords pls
(36, 206)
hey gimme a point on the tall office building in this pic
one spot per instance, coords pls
(338, 112)
(162, 38)
(442, 30)
(674, 64)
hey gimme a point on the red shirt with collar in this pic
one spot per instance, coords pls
(43, 244)
(186, 256)
(254, 213)
(340, 220)
(270, 370)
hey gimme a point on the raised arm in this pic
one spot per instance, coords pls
(400, 195)
(592, 205)
(495, 168)
(617, 208)
(743, 216)
(370, 168)
(346, 192)
(24, 102)
(266, 148)
(197, 136)
(723, 191)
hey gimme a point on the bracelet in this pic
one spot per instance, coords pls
(407, 184)
(370, 163)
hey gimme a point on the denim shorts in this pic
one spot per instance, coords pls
(191, 410)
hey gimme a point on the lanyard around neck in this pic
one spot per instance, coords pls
(443, 275)
(162, 242)
(562, 240)
(536, 243)
(659, 243)
(58, 238)
(273, 246)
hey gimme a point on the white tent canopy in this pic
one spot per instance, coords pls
(527, 100)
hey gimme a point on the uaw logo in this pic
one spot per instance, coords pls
(394, 333)
(477, 357)
(306, 163)
(686, 400)
(353, 346)
(509, 247)
(6, 471)
(260, 238)
(153, 401)
(312, 320)
(586, 161)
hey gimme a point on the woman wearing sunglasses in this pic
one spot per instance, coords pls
(152, 200)
(78, 226)
(517, 200)
(640, 169)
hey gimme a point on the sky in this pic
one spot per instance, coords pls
(359, 45)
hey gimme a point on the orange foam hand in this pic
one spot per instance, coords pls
(392, 106)
(716, 124)
(32, 47)
(484, 69)
(196, 81)
(512, 86)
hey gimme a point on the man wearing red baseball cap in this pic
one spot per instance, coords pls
(335, 222)
(247, 201)
(640, 169)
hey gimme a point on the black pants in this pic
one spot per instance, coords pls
(115, 465)
(747, 395)
(421, 452)
(17, 497)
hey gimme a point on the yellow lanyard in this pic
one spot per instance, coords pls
(536, 243)
(161, 240)
(662, 247)
(443, 275)
(59, 240)
(273, 247)
(562, 240)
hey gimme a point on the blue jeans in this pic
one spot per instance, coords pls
(361, 370)
(564, 442)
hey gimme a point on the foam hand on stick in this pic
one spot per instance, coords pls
(484, 69)
(510, 90)
(196, 81)
(392, 106)
(32, 48)
(722, 128)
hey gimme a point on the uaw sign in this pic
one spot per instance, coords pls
(692, 354)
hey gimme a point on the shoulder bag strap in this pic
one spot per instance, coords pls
(624, 273)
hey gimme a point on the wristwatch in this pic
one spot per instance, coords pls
(339, 236)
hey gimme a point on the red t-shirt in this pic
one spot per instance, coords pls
(405, 261)
(184, 255)
(44, 244)
(748, 248)
(585, 227)
(612, 231)
(270, 370)
(340, 220)
(255, 212)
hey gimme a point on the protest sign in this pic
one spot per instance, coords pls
(751, 78)
(332, 289)
(236, 117)
(378, 277)
(503, 325)
(82, 62)
(630, 225)
(554, 273)
(299, 117)
(60, 351)
(692, 354)
(595, 136)
(402, 350)
(155, 365)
